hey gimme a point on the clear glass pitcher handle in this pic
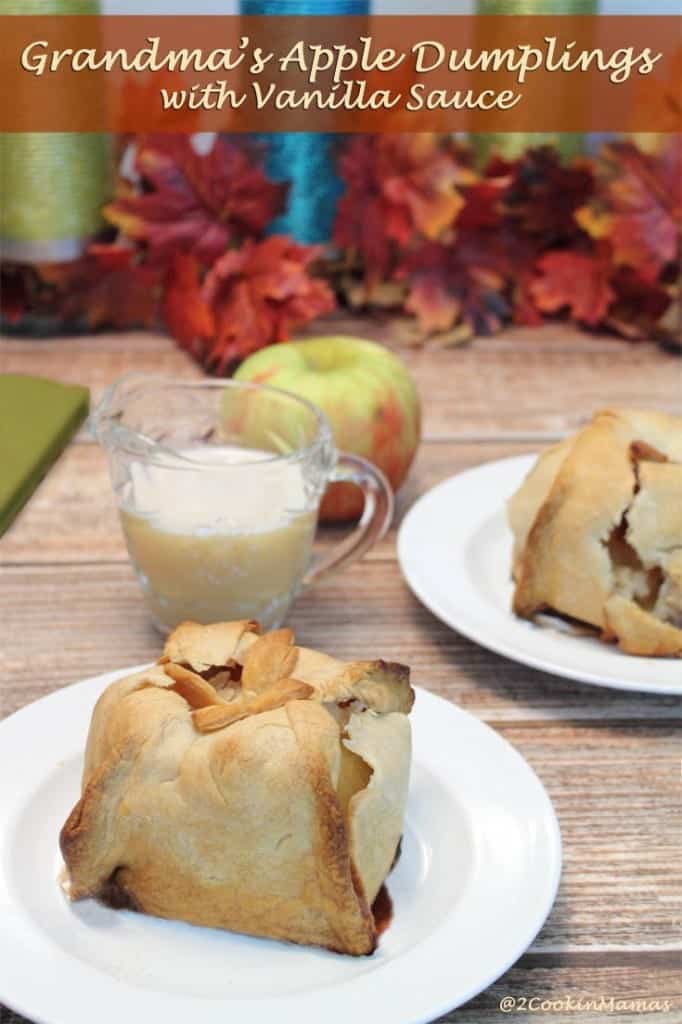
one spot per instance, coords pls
(376, 518)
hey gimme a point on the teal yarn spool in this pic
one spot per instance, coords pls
(307, 160)
(304, 7)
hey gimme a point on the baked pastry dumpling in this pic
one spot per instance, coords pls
(597, 529)
(246, 783)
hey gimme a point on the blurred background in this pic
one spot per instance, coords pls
(386, 7)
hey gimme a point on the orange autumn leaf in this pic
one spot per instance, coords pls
(577, 281)
(487, 262)
(397, 186)
(638, 207)
(449, 285)
(107, 287)
(434, 306)
(595, 219)
(257, 295)
(424, 182)
(184, 310)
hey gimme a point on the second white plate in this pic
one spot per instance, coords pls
(455, 549)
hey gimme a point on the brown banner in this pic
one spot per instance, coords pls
(352, 74)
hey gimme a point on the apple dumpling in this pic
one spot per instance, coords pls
(597, 529)
(246, 783)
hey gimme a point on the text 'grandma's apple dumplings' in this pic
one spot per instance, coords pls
(597, 527)
(246, 783)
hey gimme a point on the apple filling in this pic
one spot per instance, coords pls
(597, 529)
(639, 572)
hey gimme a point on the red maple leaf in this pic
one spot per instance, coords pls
(18, 290)
(197, 202)
(397, 186)
(256, 296)
(449, 286)
(639, 304)
(579, 281)
(480, 276)
(487, 237)
(543, 193)
(504, 239)
(107, 287)
(638, 206)
(482, 206)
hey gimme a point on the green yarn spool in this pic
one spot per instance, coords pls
(53, 183)
(512, 144)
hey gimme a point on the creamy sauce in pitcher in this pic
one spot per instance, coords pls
(214, 544)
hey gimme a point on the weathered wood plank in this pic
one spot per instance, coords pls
(95, 360)
(72, 516)
(613, 789)
(542, 382)
(63, 623)
(578, 992)
(637, 991)
(516, 391)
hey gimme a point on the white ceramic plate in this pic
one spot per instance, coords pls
(477, 876)
(455, 549)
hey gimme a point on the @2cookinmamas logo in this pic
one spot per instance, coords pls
(575, 1004)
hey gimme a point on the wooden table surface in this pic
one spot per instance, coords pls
(70, 608)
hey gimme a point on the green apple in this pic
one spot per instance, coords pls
(367, 394)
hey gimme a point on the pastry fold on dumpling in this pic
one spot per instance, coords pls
(597, 529)
(246, 783)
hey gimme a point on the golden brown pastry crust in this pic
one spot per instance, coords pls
(523, 505)
(283, 823)
(598, 531)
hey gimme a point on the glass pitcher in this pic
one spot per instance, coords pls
(218, 485)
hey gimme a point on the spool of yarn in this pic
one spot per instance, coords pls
(305, 159)
(512, 144)
(304, 7)
(54, 183)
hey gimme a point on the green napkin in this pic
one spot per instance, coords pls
(37, 420)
